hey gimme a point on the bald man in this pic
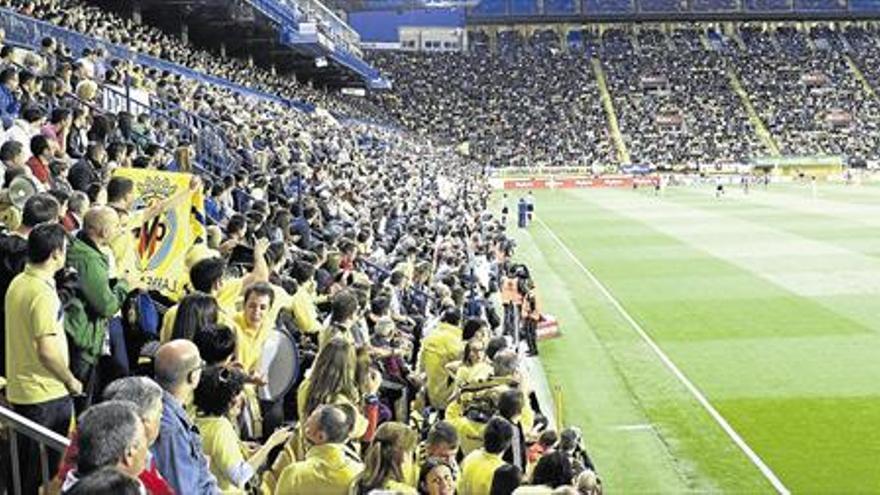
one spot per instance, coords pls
(327, 468)
(99, 298)
(178, 450)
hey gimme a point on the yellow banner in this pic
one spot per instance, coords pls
(157, 247)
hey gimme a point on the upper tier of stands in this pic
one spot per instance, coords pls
(674, 94)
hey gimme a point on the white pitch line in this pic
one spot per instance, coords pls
(737, 439)
(639, 427)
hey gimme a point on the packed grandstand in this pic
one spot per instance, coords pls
(536, 100)
(357, 234)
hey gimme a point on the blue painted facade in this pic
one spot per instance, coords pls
(382, 25)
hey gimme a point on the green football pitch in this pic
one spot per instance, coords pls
(767, 304)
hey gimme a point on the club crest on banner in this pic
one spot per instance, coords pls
(157, 246)
(156, 237)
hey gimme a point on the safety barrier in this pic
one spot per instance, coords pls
(47, 439)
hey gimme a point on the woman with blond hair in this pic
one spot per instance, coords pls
(87, 91)
(387, 460)
(333, 379)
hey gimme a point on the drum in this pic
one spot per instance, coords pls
(279, 363)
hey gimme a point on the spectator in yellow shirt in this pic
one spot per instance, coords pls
(303, 303)
(475, 366)
(40, 382)
(252, 325)
(194, 312)
(332, 380)
(327, 468)
(387, 461)
(440, 348)
(219, 399)
(207, 276)
(479, 466)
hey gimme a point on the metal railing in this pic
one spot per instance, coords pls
(207, 137)
(28, 31)
(337, 29)
(47, 439)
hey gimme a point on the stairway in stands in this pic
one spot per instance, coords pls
(859, 75)
(610, 112)
(754, 118)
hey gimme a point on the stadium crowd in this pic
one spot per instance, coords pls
(372, 251)
(110, 26)
(544, 111)
(673, 99)
(535, 103)
(806, 95)
(671, 91)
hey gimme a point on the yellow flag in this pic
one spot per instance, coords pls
(160, 244)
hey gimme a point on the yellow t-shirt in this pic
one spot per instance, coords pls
(330, 331)
(470, 433)
(477, 471)
(469, 374)
(305, 313)
(249, 342)
(223, 446)
(32, 310)
(326, 470)
(228, 298)
(124, 245)
(440, 348)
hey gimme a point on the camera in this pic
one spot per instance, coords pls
(66, 284)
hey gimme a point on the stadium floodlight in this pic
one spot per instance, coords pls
(320, 62)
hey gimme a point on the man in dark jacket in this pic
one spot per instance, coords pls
(98, 297)
(88, 170)
(77, 140)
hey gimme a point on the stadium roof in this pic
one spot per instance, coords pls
(274, 37)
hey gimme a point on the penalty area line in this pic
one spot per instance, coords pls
(695, 392)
